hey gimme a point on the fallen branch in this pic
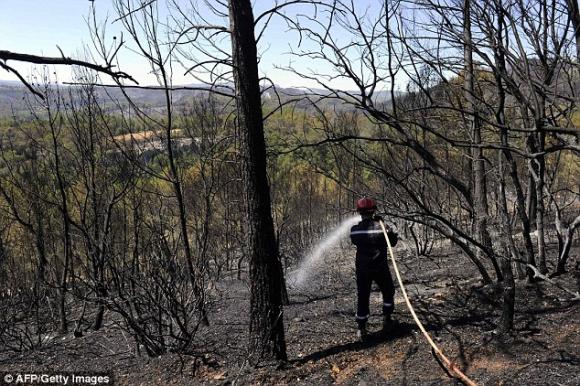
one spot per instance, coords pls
(538, 274)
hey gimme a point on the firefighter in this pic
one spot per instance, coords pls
(371, 265)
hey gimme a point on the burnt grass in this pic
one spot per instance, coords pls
(457, 310)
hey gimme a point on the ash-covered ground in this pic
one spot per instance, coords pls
(457, 310)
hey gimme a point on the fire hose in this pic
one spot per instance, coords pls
(451, 368)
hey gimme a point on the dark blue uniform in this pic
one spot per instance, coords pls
(371, 265)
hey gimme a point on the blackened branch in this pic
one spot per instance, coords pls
(63, 60)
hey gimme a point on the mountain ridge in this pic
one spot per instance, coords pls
(13, 95)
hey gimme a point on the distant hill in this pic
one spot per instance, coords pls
(14, 96)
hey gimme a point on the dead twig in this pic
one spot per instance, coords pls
(538, 274)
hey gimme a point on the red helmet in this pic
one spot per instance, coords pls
(366, 204)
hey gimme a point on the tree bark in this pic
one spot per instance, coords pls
(479, 183)
(40, 247)
(3, 258)
(526, 223)
(266, 311)
(574, 12)
(531, 203)
(67, 242)
(565, 245)
(507, 241)
(539, 167)
(195, 274)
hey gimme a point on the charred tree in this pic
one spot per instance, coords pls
(574, 13)
(507, 241)
(64, 210)
(266, 311)
(480, 209)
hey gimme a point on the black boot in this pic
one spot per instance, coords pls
(388, 324)
(362, 334)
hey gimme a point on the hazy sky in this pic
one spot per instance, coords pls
(38, 26)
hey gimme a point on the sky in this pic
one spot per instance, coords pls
(39, 26)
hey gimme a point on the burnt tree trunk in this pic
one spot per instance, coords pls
(531, 203)
(524, 217)
(574, 13)
(507, 241)
(266, 311)
(40, 248)
(195, 273)
(67, 242)
(480, 208)
(3, 258)
(565, 245)
(538, 169)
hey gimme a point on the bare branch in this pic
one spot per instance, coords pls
(36, 59)
(21, 78)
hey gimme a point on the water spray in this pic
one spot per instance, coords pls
(314, 260)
